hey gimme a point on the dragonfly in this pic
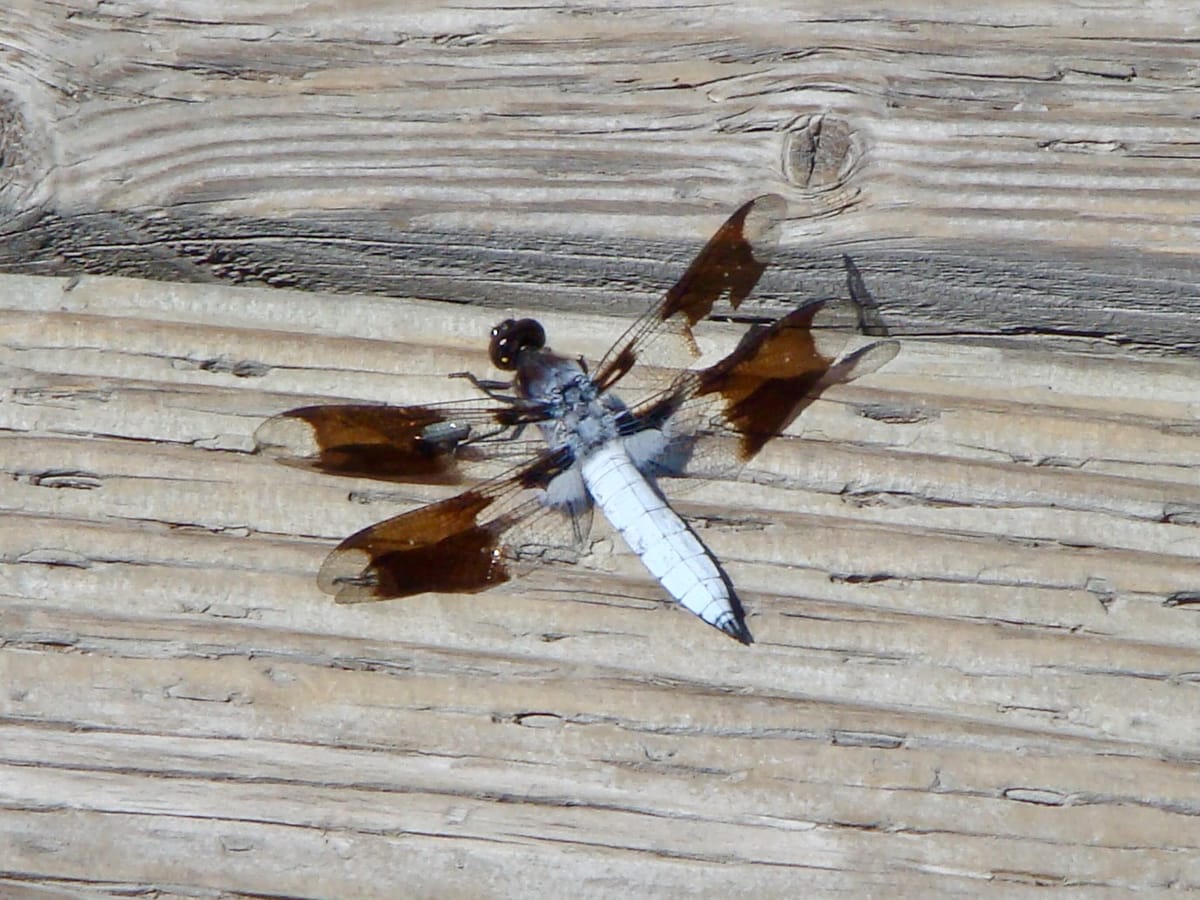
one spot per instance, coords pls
(589, 448)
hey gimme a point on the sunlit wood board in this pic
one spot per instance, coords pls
(972, 576)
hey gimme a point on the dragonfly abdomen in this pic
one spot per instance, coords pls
(655, 532)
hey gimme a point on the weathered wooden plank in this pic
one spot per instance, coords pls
(1024, 169)
(498, 837)
(971, 575)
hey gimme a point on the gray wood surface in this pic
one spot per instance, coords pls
(973, 575)
(1028, 168)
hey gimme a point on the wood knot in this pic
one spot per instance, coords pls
(820, 152)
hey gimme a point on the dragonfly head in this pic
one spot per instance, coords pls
(511, 337)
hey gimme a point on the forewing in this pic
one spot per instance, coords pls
(463, 544)
(434, 444)
(729, 265)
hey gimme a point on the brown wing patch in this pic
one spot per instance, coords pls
(759, 389)
(768, 379)
(439, 547)
(457, 545)
(419, 444)
(731, 262)
(729, 265)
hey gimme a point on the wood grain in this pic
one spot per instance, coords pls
(972, 576)
(1025, 169)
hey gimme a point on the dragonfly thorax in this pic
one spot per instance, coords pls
(577, 416)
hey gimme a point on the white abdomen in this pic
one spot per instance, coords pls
(669, 549)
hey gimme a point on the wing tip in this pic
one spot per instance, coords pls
(347, 576)
(763, 225)
(862, 361)
(286, 436)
